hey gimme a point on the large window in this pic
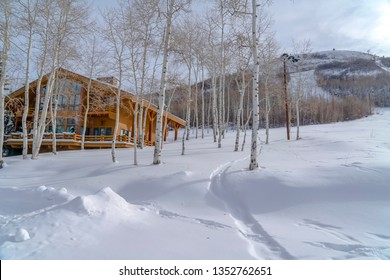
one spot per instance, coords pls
(71, 125)
(62, 102)
(74, 101)
(68, 95)
(60, 125)
(102, 131)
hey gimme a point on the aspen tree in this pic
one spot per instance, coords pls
(5, 25)
(173, 6)
(62, 22)
(302, 83)
(27, 20)
(211, 66)
(116, 36)
(94, 58)
(39, 123)
(255, 90)
(268, 54)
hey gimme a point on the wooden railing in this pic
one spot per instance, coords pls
(119, 138)
(68, 136)
(77, 137)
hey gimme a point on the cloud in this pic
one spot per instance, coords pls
(340, 24)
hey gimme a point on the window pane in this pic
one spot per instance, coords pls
(74, 107)
(62, 100)
(74, 100)
(60, 121)
(59, 129)
(63, 86)
(71, 121)
(70, 129)
(76, 88)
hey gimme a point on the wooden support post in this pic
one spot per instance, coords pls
(176, 127)
(286, 100)
(166, 133)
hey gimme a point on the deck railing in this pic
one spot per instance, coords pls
(77, 138)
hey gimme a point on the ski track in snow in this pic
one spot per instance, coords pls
(164, 213)
(355, 250)
(328, 229)
(207, 223)
(261, 245)
(351, 246)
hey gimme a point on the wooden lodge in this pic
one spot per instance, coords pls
(71, 97)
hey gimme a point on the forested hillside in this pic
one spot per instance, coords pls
(327, 86)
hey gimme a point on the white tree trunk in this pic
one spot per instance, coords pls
(239, 111)
(6, 9)
(215, 108)
(203, 102)
(53, 110)
(42, 121)
(196, 113)
(165, 127)
(26, 97)
(90, 74)
(37, 139)
(220, 120)
(136, 120)
(161, 96)
(245, 129)
(267, 110)
(255, 94)
(188, 113)
(183, 146)
(145, 117)
(297, 116)
(36, 115)
(86, 111)
(117, 115)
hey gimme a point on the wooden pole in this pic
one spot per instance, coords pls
(286, 99)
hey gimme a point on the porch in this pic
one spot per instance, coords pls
(71, 141)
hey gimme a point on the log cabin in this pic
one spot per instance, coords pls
(70, 95)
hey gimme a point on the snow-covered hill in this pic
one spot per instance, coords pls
(319, 58)
(325, 196)
(343, 73)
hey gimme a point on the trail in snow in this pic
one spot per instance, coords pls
(261, 244)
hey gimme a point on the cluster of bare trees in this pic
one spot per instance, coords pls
(49, 35)
(223, 46)
(46, 35)
(140, 39)
(38, 37)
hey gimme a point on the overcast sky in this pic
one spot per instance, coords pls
(359, 25)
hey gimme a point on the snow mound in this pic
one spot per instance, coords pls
(39, 198)
(21, 235)
(51, 193)
(41, 188)
(103, 202)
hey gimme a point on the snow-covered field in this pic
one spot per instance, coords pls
(326, 196)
